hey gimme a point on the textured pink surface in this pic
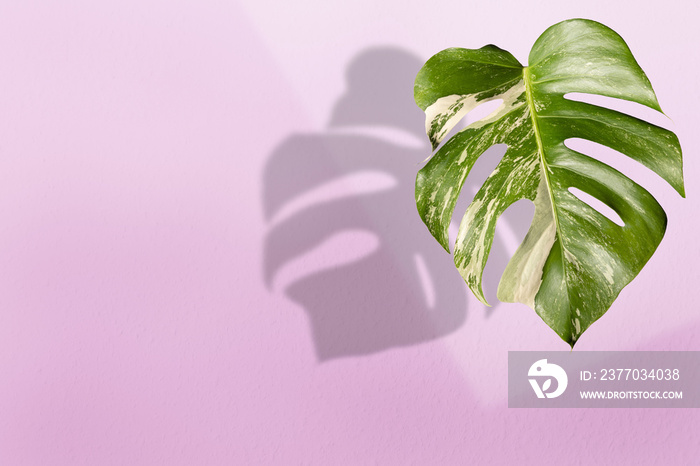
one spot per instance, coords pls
(209, 252)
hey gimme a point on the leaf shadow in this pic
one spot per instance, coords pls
(402, 291)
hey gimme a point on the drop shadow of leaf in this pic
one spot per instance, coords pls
(382, 299)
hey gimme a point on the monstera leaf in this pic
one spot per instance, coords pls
(574, 261)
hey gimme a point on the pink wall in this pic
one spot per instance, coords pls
(209, 252)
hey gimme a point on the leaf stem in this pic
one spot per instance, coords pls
(545, 172)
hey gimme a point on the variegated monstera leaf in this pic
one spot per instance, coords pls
(574, 261)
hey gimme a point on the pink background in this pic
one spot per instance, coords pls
(209, 252)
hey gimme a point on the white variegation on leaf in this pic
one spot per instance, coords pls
(574, 261)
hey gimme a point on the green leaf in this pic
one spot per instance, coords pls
(574, 261)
